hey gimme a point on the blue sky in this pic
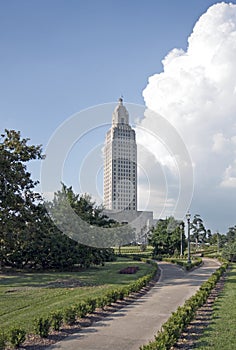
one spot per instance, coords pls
(60, 57)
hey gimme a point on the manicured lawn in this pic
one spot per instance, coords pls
(221, 334)
(25, 296)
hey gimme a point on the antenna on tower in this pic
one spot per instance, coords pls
(121, 99)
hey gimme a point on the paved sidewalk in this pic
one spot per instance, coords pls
(137, 323)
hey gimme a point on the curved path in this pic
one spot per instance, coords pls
(137, 323)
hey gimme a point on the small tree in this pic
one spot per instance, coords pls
(198, 229)
(229, 251)
(166, 236)
(231, 234)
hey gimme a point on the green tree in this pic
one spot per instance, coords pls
(199, 231)
(229, 251)
(231, 234)
(84, 207)
(28, 236)
(18, 200)
(80, 218)
(166, 236)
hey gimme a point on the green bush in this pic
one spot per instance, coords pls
(184, 263)
(121, 293)
(82, 309)
(111, 296)
(56, 320)
(69, 315)
(42, 327)
(101, 302)
(91, 305)
(3, 341)
(17, 336)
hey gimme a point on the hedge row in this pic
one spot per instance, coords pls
(172, 329)
(137, 256)
(184, 263)
(42, 326)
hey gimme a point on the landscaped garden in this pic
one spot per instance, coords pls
(36, 297)
(26, 296)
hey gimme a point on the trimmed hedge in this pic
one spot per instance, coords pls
(3, 341)
(173, 327)
(69, 315)
(17, 336)
(56, 320)
(184, 263)
(42, 326)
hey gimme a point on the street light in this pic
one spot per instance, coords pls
(181, 226)
(188, 216)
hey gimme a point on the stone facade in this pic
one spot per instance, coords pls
(120, 174)
(120, 163)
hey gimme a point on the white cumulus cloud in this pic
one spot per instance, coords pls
(229, 179)
(196, 93)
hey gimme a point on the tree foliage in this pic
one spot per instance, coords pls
(83, 206)
(166, 236)
(231, 234)
(80, 218)
(28, 237)
(229, 249)
(18, 202)
(198, 229)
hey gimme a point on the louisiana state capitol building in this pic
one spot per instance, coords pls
(120, 175)
(120, 163)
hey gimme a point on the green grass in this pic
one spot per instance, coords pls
(220, 334)
(25, 296)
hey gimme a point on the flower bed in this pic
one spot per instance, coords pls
(129, 270)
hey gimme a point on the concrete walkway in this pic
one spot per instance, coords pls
(137, 323)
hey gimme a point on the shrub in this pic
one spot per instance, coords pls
(82, 309)
(3, 340)
(101, 302)
(91, 305)
(121, 293)
(111, 296)
(42, 327)
(69, 315)
(56, 320)
(17, 336)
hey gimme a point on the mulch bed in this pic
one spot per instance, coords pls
(129, 270)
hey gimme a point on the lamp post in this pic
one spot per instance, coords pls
(181, 226)
(218, 242)
(188, 216)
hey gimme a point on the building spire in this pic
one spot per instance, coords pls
(120, 114)
(121, 100)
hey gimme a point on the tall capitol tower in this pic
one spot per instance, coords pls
(120, 163)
